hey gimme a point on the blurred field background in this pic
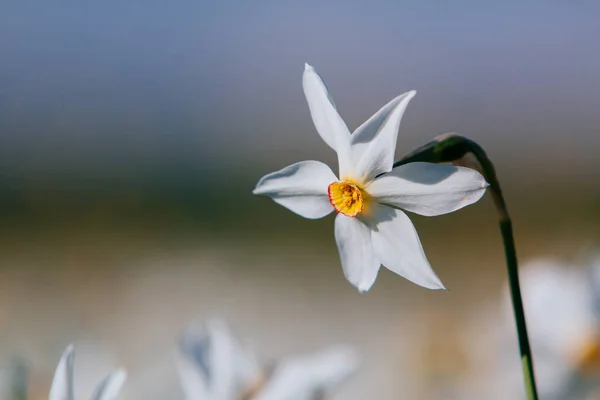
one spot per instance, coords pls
(132, 134)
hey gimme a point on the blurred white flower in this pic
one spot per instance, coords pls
(304, 377)
(214, 365)
(560, 304)
(370, 228)
(561, 318)
(63, 387)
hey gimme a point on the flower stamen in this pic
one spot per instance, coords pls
(346, 197)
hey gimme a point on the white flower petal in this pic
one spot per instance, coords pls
(62, 384)
(562, 334)
(373, 144)
(328, 122)
(223, 361)
(213, 364)
(353, 239)
(110, 387)
(300, 187)
(397, 246)
(302, 378)
(193, 381)
(428, 189)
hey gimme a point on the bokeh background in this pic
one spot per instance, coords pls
(132, 134)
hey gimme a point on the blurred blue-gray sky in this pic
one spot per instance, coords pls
(114, 89)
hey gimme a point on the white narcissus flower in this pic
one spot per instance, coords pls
(305, 377)
(214, 365)
(564, 331)
(560, 311)
(62, 384)
(370, 228)
(562, 322)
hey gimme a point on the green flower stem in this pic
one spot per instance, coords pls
(451, 148)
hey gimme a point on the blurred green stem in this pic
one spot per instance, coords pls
(452, 148)
(19, 379)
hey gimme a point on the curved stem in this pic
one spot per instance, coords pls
(451, 148)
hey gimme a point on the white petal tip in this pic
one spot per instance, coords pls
(485, 185)
(117, 378)
(259, 189)
(433, 283)
(307, 67)
(364, 287)
(121, 374)
(111, 385)
(437, 286)
(69, 352)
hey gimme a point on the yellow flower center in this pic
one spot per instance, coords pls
(589, 357)
(347, 198)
